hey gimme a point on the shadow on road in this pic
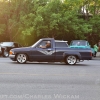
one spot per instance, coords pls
(50, 63)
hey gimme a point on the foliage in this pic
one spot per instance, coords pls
(26, 21)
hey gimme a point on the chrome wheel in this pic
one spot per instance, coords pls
(71, 60)
(21, 58)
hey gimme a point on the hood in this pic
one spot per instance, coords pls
(21, 49)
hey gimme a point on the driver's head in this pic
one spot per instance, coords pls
(78, 42)
(48, 44)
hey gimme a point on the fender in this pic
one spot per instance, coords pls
(72, 53)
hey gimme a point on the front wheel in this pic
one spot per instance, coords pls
(71, 60)
(21, 58)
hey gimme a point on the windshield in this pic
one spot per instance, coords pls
(36, 43)
(6, 43)
(78, 43)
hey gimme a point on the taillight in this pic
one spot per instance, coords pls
(91, 54)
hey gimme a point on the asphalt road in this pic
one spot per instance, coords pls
(49, 81)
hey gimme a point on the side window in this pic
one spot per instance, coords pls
(61, 44)
(73, 43)
(16, 45)
(88, 44)
(44, 43)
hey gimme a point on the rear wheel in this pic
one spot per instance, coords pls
(71, 60)
(21, 58)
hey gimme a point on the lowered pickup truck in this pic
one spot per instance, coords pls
(57, 52)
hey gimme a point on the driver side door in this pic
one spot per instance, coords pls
(43, 54)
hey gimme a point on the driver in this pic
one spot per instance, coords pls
(47, 45)
(78, 43)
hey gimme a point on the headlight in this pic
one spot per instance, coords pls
(11, 52)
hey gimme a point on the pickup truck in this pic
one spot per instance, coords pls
(58, 51)
(5, 47)
(81, 44)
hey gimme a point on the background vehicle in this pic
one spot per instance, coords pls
(58, 51)
(81, 44)
(5, 47)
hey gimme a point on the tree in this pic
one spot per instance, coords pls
(28, 20)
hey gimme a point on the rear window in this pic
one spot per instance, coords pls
(61, 44)
(79, 43)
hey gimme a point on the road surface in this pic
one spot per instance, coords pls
(49, 81)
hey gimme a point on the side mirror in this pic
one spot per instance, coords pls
(40, 46)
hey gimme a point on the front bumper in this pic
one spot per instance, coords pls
(12, 57)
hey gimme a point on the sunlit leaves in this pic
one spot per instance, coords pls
(21, 19)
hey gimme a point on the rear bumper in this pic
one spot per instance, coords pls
(86, 58)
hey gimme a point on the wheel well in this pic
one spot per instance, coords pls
(71, 55)
(77, 57)
(3, 50)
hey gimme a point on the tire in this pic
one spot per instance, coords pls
(21, 58)
(71, 60)
(5, 53)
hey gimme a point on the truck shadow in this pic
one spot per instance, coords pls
(51, 63)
